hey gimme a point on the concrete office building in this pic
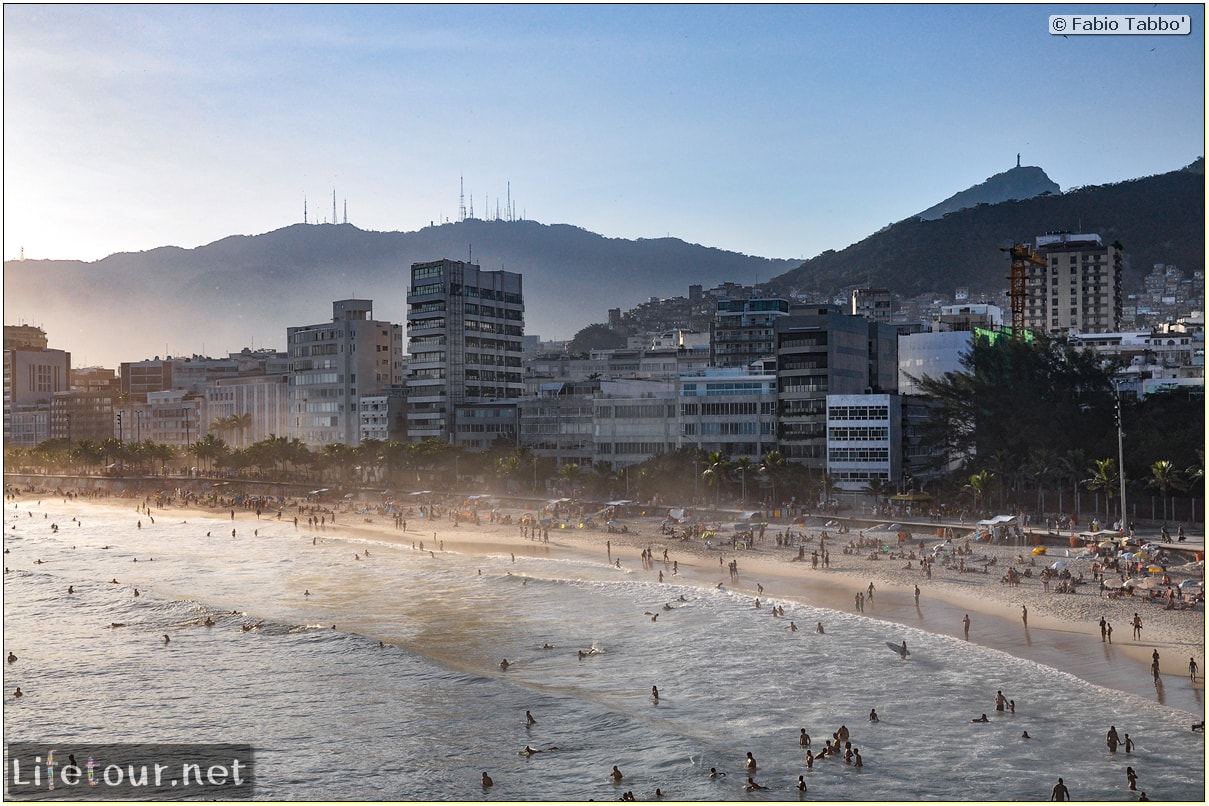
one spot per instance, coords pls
(819, 353)
(465, 330)
(332, 365)
(1079, 287)
(730, 410)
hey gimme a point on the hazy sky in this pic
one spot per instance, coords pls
(779, 131)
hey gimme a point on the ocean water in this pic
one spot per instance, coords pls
(333, 715)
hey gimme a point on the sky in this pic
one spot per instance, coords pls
(772, 130)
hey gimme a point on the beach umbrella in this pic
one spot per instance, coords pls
(1058, 566)
(1145, 584)
(1125, 555)
(1154, 569)
(1113, 583)
(1191, 583)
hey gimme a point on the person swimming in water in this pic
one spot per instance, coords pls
(713, 773)
(752, 785)
(655, 693)
(12, 658)
(18, 693)
(487, 781)
(616, 773)
(209, 622)
(873, 715)
(750, 764)
(166, 638)
(504, 664)
(529, 720)
(982, 718)
(801, 783)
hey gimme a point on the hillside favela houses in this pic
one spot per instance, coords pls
(832, 385)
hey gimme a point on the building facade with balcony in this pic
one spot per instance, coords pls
(465, 334)
(332, 365)
(1079, 287)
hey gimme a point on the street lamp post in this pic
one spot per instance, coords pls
(1121, 459)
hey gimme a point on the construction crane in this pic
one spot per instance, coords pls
(1022, 257)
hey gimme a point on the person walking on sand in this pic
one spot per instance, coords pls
(1103, 629)
(1137, 626)
(870, 596)
(1060, 792)
(965, 623)
(1109, 632)
(1192, 669)
(1024, 614)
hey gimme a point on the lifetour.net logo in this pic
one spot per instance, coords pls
(65, 771)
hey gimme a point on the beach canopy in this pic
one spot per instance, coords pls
(1113, 583)
(1058, 565)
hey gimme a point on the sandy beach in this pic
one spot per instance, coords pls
(1062, 630)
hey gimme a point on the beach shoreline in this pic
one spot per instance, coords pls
(1062, 630)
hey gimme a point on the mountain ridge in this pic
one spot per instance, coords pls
(1021, 182)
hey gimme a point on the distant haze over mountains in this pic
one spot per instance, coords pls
(244, 291)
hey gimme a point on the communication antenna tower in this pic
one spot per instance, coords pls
(304, 208)
(346, 211)
(461, 199)
(334, 219)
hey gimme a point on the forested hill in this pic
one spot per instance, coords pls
(1158, 219)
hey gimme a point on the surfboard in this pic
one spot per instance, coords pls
(898, 648)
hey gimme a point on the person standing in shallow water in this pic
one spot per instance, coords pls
(1060, 792)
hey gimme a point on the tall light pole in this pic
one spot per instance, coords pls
(1121, 458)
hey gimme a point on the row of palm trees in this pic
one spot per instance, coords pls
(675, 476)
(1072, 471)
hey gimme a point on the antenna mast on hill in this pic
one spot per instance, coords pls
(346, 211)
(304, 208)
(510, 200)
(334, 219)
(461, 199)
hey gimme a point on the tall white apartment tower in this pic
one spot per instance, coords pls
(333, 364)
(465, 329)
(1079, 287)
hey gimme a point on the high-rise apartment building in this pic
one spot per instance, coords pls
(823, 353)
(32, 375)
(1079, 287)
(465, 330)
(742, 330)
(333, 364)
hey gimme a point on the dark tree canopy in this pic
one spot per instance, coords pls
(1013, 397)
(595, 337)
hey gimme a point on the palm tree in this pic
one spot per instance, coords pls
(743, 466)
(1104, 478)
(773, 466)
(570, 474)
(240, 423)
(716, 471)
(1071, 467)
(980, 486)
(1040, 469)
(1165, 477)
(877, 487)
